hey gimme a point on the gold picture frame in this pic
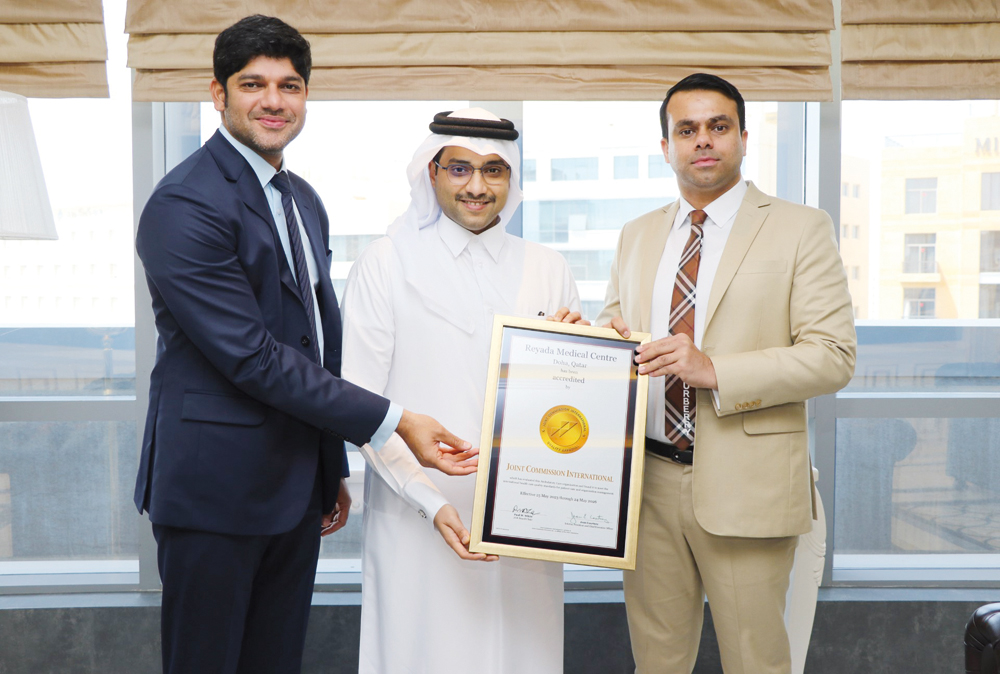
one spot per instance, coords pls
(563, 445)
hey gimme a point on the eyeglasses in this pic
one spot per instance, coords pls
(460, 174)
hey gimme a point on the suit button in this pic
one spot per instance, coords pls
(739, 406)
(306, 341)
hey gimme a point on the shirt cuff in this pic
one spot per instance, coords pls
(387, 428)
(425, 499)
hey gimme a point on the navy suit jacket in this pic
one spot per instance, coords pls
(240, 417)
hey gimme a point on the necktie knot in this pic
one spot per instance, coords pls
(698, 217)
(280, 182)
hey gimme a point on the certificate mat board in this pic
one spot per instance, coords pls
(563, 443)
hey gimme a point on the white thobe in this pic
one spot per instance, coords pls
(423, 609)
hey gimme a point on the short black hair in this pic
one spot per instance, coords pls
(705, 82)
(259, 35)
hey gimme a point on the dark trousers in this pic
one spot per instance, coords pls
(237, 604)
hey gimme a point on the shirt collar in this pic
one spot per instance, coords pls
(458, 238)
(261, 168)
(720, 211)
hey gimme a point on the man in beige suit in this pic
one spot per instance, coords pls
(746, 299)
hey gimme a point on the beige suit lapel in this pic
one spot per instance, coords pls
(649, 261)
(753, 211)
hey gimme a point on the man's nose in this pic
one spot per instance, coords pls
(476, 184)
(272, 98)
(703, 139)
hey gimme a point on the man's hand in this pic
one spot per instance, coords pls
(335, 521)
(454, 533)
(435, 447)
(564, 315)
(677, 355)
(618, 323)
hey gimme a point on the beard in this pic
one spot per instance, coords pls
(261, 142)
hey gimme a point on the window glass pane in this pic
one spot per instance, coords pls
(528, 170)
(582, 220)
(926, 358)
(991, 192)
(989, 251)
(574, 168)
(626, 167)
(66, 491)
(67, 307)
(906, 486)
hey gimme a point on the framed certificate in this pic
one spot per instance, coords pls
(561, 455)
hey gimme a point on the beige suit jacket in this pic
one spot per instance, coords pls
(779, 330)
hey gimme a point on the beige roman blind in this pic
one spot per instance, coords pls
(921, 49)
(53, 48)
(501, 50)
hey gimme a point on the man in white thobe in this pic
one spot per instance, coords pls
(418, 316)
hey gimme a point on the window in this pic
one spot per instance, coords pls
(918, 302)
(528, 170)
(855, 273)
(346, 248)
(857, 191)
(589, 265)
(989, 300)
(553, 221)
(575, 168)
(921, 195)
(658, 167)
(845, 189)
(990, 199)
(989, 252)
(857, 232)
(626, 167)
(919, 254)
(844, 229)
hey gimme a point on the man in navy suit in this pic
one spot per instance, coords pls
(243, 456)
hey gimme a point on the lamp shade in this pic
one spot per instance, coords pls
(25, 212)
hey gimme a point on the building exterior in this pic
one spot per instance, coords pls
(940, 230)
(854, 229)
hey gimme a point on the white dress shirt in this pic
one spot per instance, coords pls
(721, 215)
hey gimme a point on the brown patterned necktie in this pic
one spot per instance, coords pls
(679, 398)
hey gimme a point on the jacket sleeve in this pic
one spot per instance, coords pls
(189, 250)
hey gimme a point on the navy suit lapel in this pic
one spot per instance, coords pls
(236, 170)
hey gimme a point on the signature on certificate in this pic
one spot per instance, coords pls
(586, 520)
(524, 513)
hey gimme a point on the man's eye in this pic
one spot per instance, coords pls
(458, 171)
(493, 170)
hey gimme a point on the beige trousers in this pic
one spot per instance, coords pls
(679, 563)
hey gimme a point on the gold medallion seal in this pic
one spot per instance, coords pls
(564, 429)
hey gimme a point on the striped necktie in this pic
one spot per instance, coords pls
(679, 398)
(280, 183)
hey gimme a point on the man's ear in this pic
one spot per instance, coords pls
(218, 94)
(432, 172)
